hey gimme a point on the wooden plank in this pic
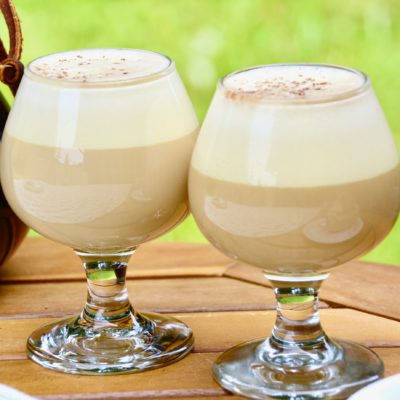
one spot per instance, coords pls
(250, 274)
(357, 284)
(218, 331)
(39, 259)
(391, 359)
(205, 397)
(365, 286)
(190, 377)
(217, 397)
(246, 273)
(136, 396)
(165, 295)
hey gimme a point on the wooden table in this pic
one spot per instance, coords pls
(224, 302)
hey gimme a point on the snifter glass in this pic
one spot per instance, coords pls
(295, 171)
(95, 155)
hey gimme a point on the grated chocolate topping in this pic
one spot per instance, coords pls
(290, 82)
(100, 65)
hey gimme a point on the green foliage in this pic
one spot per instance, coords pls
(209, 38)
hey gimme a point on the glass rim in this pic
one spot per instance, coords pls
(346, 94)
(170, 67)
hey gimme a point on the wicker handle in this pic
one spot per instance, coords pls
(11, 69)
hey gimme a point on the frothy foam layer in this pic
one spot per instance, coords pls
(297, 82)
(99, 65)
(77, 115)
(294, 144)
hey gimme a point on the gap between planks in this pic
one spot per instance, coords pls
(218, 331)
(359, 285)
(206, 272)
(44, 260)
(163, 295)
(40, 258)
(194, 394)
(190, 377)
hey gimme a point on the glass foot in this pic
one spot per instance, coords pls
(244, 371)
(147, 341)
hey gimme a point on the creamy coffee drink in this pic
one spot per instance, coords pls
(95, 155)
(295, 170)
(102, 162)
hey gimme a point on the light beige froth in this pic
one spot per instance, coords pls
(83, 116)
(303, 82)
(286, 144)
(99, 65)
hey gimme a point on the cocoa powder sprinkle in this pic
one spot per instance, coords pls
(108, 65)
(278, 87)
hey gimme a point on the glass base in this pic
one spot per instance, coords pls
(244, 370)
(72, 345)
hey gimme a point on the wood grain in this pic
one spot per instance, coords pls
(390, 357)
(227, 303)
(218, 331)
(217, 397)
(189, 377)
(206, 397)
(138, 397)
(369, 287)
(39, 259)
(163, 295)
(246, 273)
(357, 284)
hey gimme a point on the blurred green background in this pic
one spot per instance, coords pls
(209, 38)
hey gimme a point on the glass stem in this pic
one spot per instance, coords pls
(297, 320)
(107, 296)
(298, 343)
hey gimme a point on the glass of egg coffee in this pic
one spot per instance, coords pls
(295, 171)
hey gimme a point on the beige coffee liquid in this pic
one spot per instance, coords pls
(295, 230)
(97, 148)
(111, 199)
(295, 169)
